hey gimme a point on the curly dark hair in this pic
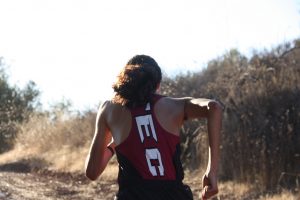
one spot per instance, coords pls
(137, 81)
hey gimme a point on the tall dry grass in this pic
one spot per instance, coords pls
(261, 95)
(61, 141)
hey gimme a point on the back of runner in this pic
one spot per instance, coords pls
(142, 128)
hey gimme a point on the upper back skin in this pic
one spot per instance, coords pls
(168, 111)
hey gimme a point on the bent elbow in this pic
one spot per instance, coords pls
(90, 174)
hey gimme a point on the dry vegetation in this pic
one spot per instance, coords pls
(62, 141)
(261, 123)
(260, 129)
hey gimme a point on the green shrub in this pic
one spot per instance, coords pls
(15, 106)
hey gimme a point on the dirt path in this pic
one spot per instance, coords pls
(48, 186)
(58, 186)
(53, 186)
(19, 181)
(24, 180)
(62, 186)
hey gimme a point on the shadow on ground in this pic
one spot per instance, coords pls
(23, 165)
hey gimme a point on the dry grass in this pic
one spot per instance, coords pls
(261, 95)
(62, 143)
(17, 154)
(285, 195)
(237, 190)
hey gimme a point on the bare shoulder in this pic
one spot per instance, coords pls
(109, 105)
(113, 111)
(171, 102)
(171, 106)
(104, 106)
(105, 109)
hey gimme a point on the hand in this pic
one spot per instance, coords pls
(209, 186)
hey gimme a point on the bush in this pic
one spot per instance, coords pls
(15, 106)
(260, 136)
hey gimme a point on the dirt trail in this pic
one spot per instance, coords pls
(19, 181)
(48, 186)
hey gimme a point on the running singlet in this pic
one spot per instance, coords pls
(149, 160)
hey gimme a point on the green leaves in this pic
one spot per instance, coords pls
(15, 106)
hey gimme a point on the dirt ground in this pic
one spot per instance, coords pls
(55, 186)
(48, 185)
(27, 186)
(19, 181)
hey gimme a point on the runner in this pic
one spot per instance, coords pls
(142, 128)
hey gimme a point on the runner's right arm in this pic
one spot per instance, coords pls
(99, 154)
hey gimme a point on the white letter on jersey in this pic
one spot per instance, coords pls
(153, 154)
(145, 121)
